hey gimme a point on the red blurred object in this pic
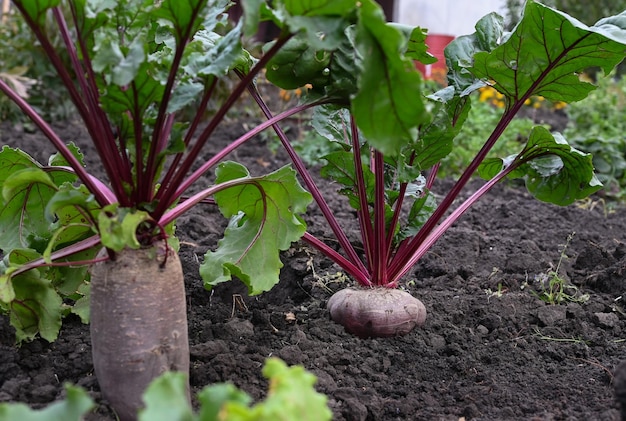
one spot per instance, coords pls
(436, 43)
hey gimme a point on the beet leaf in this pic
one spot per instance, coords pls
(263, 214)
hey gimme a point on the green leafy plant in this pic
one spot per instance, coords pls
(553, 288)
(291, 396)
(129, 67)
(483, 116)
(588, 11)
(23, 60)
(76, 404)
(597, 126)
(392, 137)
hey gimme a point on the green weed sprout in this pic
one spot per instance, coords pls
(553, 288)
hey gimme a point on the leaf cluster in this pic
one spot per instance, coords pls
(291, 396)
(393, 137)
(38, 219)
(597, 127)
(129, 67)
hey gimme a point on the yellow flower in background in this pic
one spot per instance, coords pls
(489, 94)
(495, 98)
(485, 94)
(498, 99)
(286, 95)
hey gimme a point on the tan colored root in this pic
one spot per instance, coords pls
(138, 324)
(377, 312)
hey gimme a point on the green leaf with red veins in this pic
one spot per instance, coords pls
(145, 91)
(388, 107)
(212, 54)
(22, 217)
(321, 53)
(25, 222)
(70, 280)
(330, 72)
(546, 51)
(12, 160)
(554, 171)
(123, 64)
(119, 50)
(332, 122)
(71, 209)
(91, 14)
(460, 53)
(264, 219)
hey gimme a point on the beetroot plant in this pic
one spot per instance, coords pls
(130, 67)
(390, 135)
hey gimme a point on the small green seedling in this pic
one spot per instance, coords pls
(554, 289)
(498, 293)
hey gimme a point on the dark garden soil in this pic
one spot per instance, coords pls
(490, 349)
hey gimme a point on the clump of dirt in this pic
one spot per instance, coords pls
(490, 349)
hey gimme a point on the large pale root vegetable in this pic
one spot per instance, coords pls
(376, 312)
(138, 324)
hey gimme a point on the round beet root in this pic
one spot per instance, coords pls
(379, 312)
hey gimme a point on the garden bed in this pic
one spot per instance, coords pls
(489, 350)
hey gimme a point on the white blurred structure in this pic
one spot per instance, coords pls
(446, 17)
(445, 20)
